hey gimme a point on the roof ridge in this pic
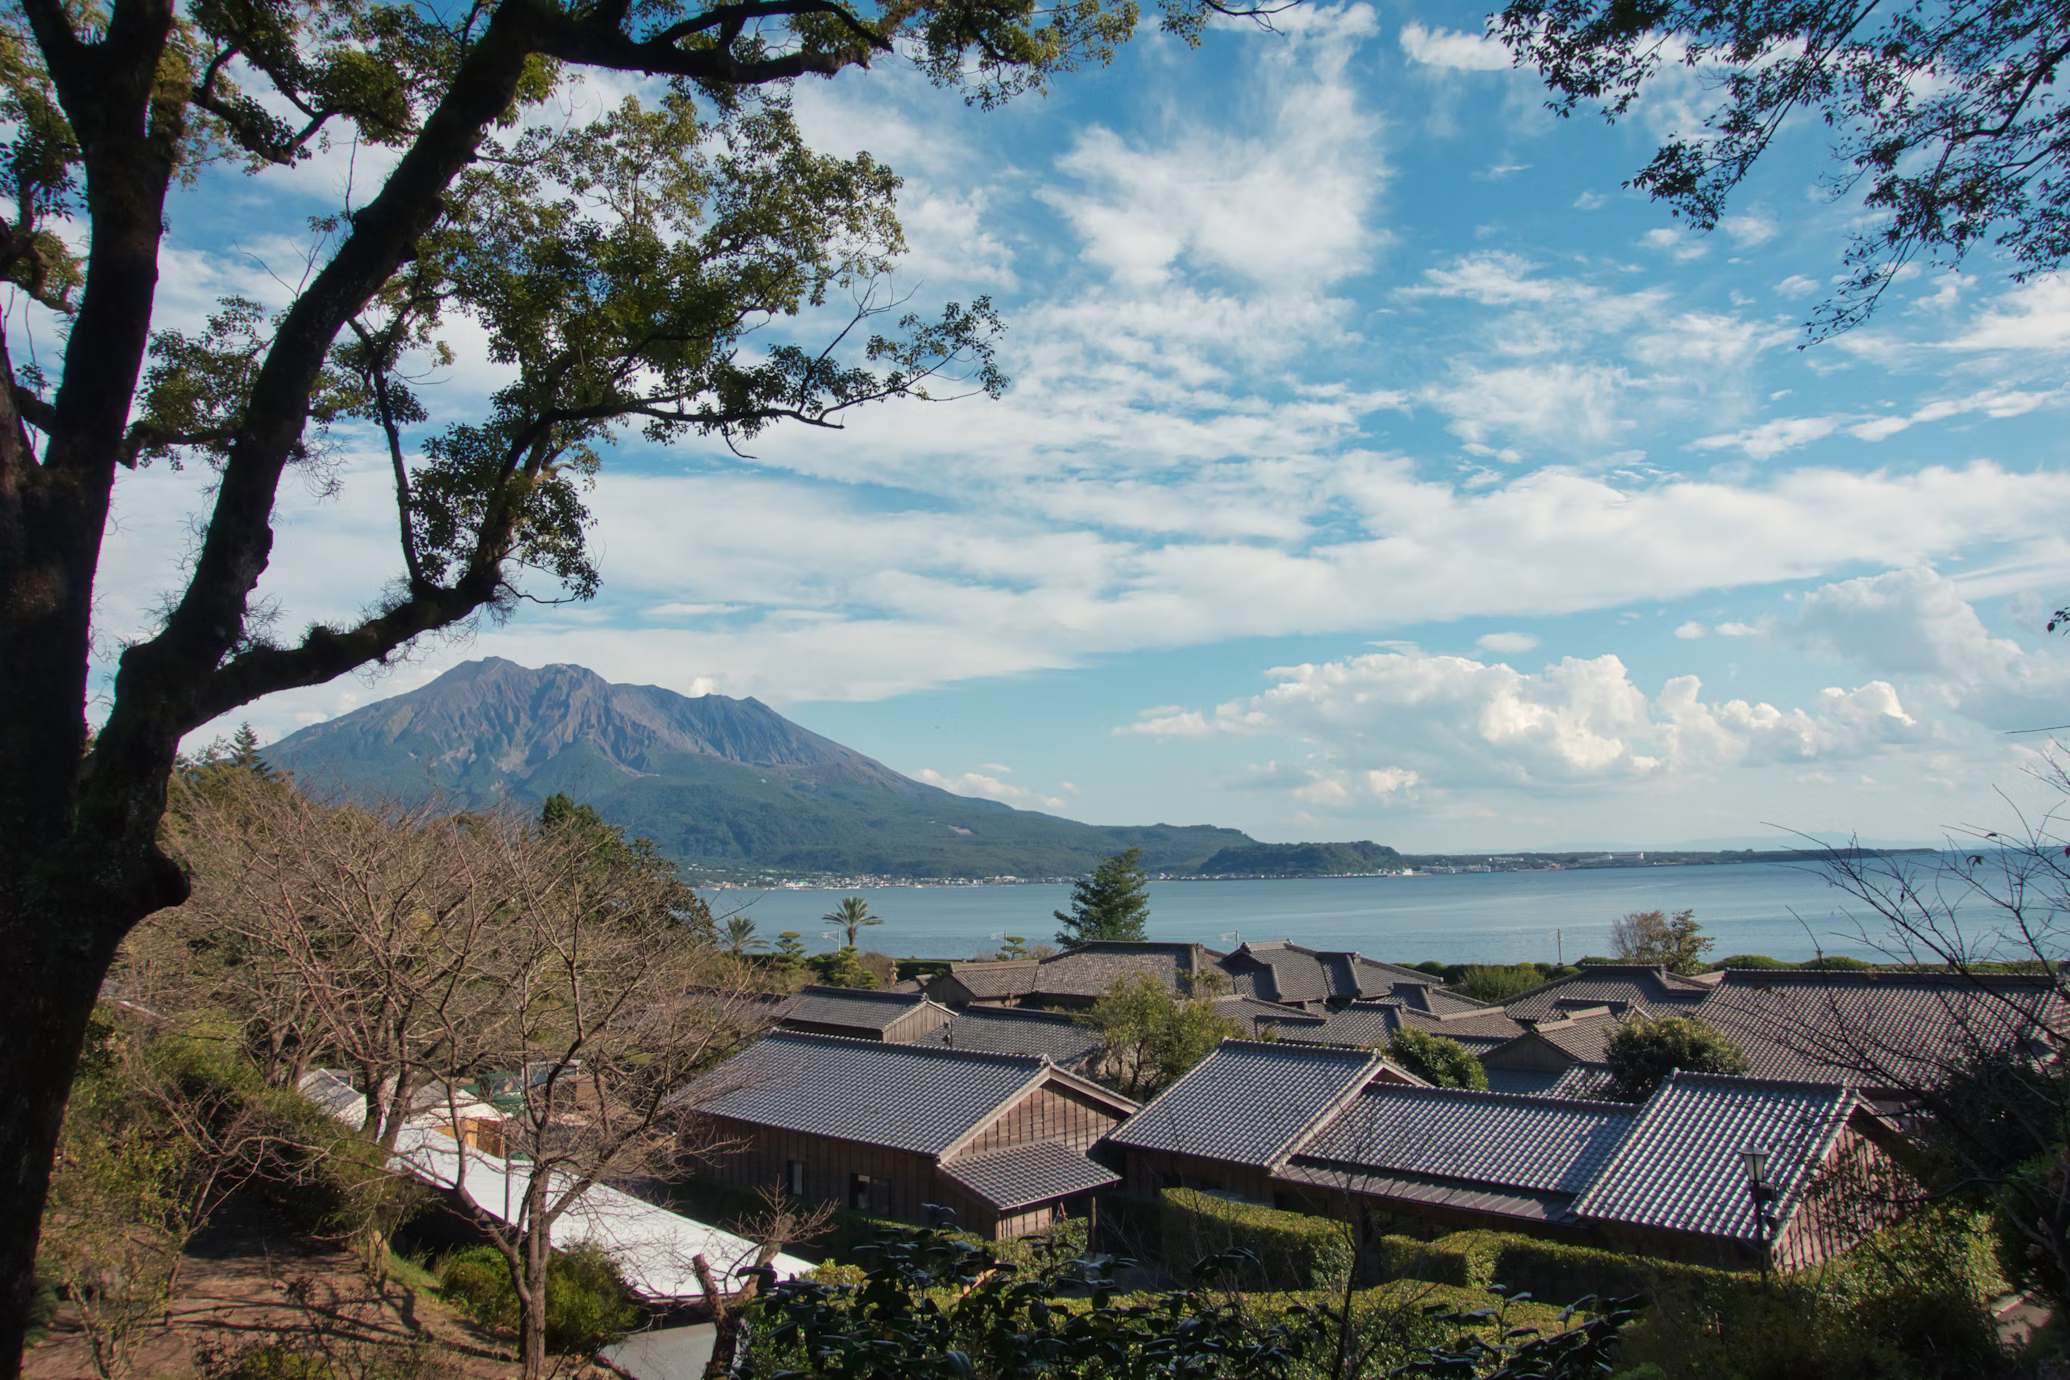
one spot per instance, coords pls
(925, 1051)
(1584, 1104)
(1810, 975)
(1740, 1080)
(861, 993)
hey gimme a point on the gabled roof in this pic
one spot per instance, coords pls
(1021, 1175)
(1680, 1170)
(1876, 1029)
(857, 1008)
(1480, 1152)
(1083, 972)
(1008, 978)
(904, 1096)
(1012, 1030)
(1488, 1139)
(1257, 1016)
(1282, 971)
(1249, 1102)
(1620, 986)
(1372, 1024)
(1581, 1039)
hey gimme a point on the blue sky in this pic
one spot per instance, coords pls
(1375, 467)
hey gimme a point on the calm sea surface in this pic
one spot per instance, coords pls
(1783, 910)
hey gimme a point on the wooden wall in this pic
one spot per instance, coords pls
(1149, 1171)
(1052, 1112)
(900, 1180)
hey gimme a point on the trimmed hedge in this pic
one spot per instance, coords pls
(1294, 1250)
(1547, 1269)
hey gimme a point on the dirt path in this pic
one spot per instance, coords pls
(252, 1279)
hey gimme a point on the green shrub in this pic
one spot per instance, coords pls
(1436, 1059)
(587, 1305)
(1644, 1050)
(1499, 982)
(1294, 1250)
(1747, 961)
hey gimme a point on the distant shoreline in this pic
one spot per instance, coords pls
(1434, 865)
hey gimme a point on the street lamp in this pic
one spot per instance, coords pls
(1755, 1158)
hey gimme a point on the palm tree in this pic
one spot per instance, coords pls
(741, 937)
(851, 915)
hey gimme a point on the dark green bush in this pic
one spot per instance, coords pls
(587, 1304)
(1437, 1060)
(1294, 1250)
(1747, 961)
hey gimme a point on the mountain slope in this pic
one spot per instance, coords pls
(721, 785)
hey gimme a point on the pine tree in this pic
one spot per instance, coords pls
(1111, 903)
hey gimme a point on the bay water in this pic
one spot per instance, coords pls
(1785, 910)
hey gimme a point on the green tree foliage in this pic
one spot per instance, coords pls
(1937, 109)
(1644, 1050)
(934, 1306)
(671, 269)
(561, 818)
(587, 1304)
(1676, 943)
(739, 937)
(1149, 1036)
(1499, 982)
(842, 968)
(789, 958)
(852, 916)
(1437, 1060)
(1110, 903)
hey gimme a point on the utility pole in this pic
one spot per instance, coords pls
(1560, 948)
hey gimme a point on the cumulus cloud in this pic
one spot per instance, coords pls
(1449, 721)
(1915, 623)
(1508, 643)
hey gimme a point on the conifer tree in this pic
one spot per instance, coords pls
(1110, 903)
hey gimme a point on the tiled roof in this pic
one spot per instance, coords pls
(1369, 1024)
(1456, 1194)
(1011, 978)
(1248, 1103)
(1256, 1016)
(1680, 1169)
(1619, 985)
(1011, 1030)
(1021, 1175)
(1583, 1038)
(1438, 1001)
(850, 1006)
(1523, 1082)
(1485, 1139)
(1584, 1081)
(1286, 972)
(906, 1097)
(1874, 1029)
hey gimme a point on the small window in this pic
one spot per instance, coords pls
(794, 1177)
(859, 1192)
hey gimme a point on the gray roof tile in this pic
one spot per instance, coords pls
(1022, 1175)
(1011, 1030)
(907, 1097)
(857, 1007)
(1680, 1170)
(1257, 1016)
(1875, 1029)
(1371, 1024)
(1480, 1139)
(1286, 972)
(1248, 1103)
(1620, 985)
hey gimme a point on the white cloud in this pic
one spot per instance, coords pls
(1508, 643)
(1691, 630)
(1749, 231)
(1672, 241)
(2035, 316)
(1916, 623)
(1447, 721)
(1737, 630)
(986, 787)
(1453, 48)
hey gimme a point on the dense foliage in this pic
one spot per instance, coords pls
(1674, 942)
(1150, 1036)
(587, 1304)
(1643, 1050)
(1110, 903)
(1438, 1060)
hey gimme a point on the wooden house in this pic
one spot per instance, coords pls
(900, 1017)
(885, 1128)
